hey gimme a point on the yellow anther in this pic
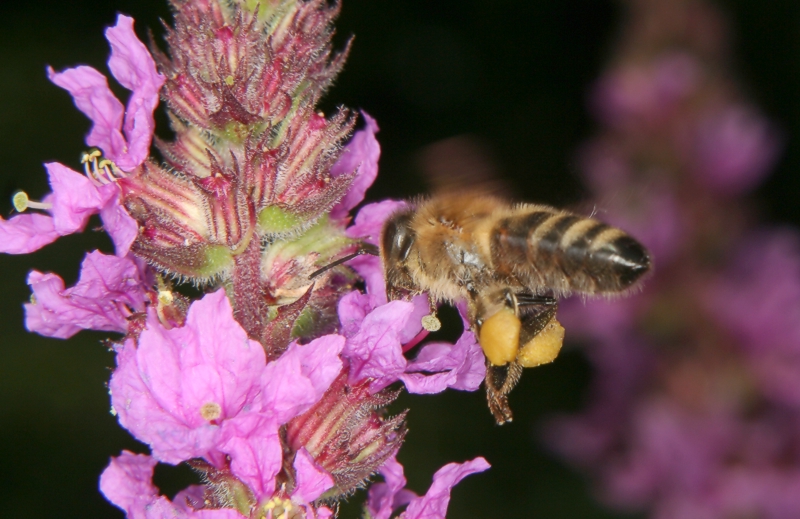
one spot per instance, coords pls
(22, 202)
(431, 323)
(210, 411)
(102, 171)
(91, 155)
(165, 297)
(229, 80)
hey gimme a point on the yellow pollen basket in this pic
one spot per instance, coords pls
(544, 347)
(499, 337)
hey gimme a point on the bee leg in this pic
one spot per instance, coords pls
(535, 312)
(500, 380)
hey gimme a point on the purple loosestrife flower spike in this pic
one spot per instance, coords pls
(272, 385)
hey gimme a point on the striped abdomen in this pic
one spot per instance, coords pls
(565, 252)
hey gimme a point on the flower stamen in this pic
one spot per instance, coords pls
(278, 508)
(22, 202)
(99, 169)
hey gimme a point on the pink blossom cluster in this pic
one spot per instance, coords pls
(260, 422)
(693, 410)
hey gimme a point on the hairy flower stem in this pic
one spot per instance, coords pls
(248, 302)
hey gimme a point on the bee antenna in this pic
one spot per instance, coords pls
(364, 248)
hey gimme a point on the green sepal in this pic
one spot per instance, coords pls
(274, 220)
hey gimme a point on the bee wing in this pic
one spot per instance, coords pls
(463, 163)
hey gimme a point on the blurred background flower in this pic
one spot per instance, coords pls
(690, 384)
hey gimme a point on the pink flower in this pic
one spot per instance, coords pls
(441, 365)
(175, 389)
(133, 66)
(635, 94)
(205, 390)
(109, 290)
(375, 350)
(73, 200)
(128, 483)
(360, 155)
(766, 268)
(289, 386)
(312, 481)
(732, 149)
(75, 197)
(375, 339)
(384, 498)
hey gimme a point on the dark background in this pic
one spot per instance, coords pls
(513, 73)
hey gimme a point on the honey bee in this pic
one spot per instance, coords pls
(510, 263)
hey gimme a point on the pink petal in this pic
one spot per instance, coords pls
(214, 343)
(162, 389)
(299, 378)
(162, 508)
(26, 233)
(165, 430)
(119, 225)
(422, 307)
(134, 68)
(433, 505)
(257, 458)
(361, 154)
(128, 483)
(376, 351)
(370, 268)
(222, 513)
(385, 498)
(109, 290)
(369, 221)
(312, 480)
(90, 92)
(75, 198)
(353, 309)
(459, 366)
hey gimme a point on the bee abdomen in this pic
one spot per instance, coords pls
(567, 252)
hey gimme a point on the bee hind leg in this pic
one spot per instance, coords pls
(500, 380)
